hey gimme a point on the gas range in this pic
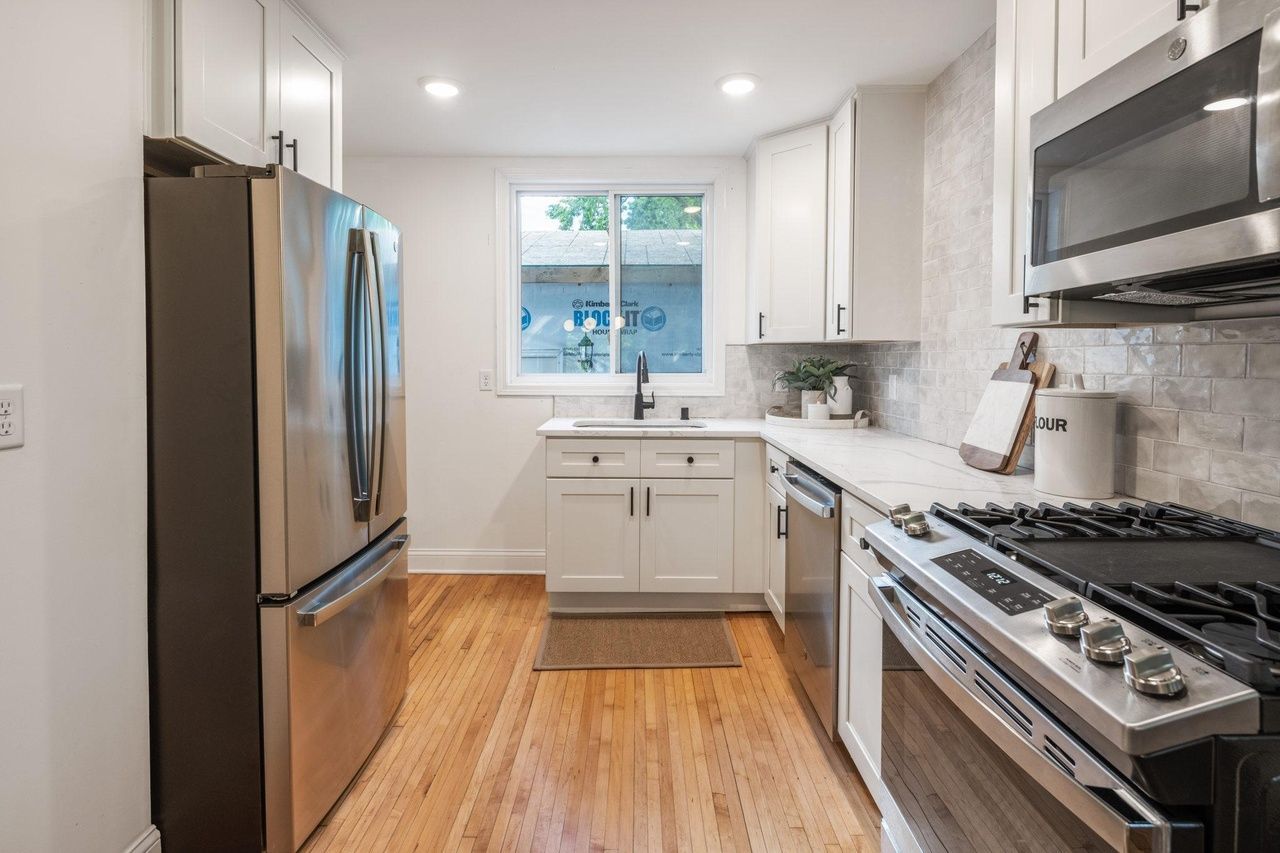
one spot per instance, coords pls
(1144, 636)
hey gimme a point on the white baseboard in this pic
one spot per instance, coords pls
(477, 561)
(147, 842)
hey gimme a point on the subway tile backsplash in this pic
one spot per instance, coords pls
(1199, 403)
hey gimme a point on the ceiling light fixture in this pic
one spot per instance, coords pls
(1226, 104)
(738, 84)
(440, 87)
(693, 208)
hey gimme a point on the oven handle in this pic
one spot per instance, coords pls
(1267, 110)
(1075, 788)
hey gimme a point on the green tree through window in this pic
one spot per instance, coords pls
(639, 213)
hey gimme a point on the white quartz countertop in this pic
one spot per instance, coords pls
(881, 468)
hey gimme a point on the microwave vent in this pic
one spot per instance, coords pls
(1141, 296)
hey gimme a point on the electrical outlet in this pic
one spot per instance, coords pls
(10, 416)
(486, 380)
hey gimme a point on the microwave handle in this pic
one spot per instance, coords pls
(990, 713)
(1267, 110)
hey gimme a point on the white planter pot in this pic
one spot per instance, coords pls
(807, 399)
(842, 402)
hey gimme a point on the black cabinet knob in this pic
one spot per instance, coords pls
(595, 459)
(690, 460)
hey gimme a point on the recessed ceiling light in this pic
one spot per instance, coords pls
(1226, 104)
(693, 208)
(440, 87)
(738, 84)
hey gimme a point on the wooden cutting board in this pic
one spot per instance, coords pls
(1043, 372)
(992, 439)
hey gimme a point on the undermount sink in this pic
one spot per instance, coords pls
(628, 423)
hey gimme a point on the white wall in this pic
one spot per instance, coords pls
(73, 559)
(476, 492)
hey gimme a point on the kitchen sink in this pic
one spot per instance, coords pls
(628, 423)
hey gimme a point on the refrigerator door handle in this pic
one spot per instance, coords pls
(326, 607)
(378, 327)
(356, 379)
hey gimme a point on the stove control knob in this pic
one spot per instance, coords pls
(1065, 616)
(1104, 642)
(899, 512)
(1154, 673)
(915, 524)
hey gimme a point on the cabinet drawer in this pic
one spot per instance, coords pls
(775, 466)
(593, 457)
(701, 458)
(854, 518)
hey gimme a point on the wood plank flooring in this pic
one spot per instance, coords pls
(487, 754)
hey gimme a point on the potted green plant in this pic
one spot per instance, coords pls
(814, 377)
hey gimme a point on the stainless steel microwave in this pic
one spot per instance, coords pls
(1158, 181)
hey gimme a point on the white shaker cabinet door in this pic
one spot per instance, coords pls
(789, 238)
(227, 80)
(593, 535)
(686, 538)
(775, 594)
(1094, 35)
(858, 702)
(310, 101)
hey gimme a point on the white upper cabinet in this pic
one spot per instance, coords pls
(876, 203)
(310, 100)
(227, 76)
(1025, 68)
(1093, 35)
(246, 81)
(788, 249)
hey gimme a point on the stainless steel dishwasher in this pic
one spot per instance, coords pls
(813, 578)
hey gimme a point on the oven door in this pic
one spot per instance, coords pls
(973, 763)
(1166, 163)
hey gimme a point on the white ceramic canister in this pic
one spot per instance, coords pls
(842, 403)
(1075, 443)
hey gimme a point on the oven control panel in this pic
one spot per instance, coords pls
(1012, 595)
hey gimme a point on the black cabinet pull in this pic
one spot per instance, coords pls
(647, 502)
(279, 140)
(632, 510)
(294, 146)
(760, 327)
(1184, 7)
(595, 460)
(839, 328)
(863, 543)
(690, 460)
(782, 531)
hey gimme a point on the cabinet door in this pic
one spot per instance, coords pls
(790, 236)
(1025, 66)
(840, 222)
(227, 81)
(775, 594)
(686, 538)
(310, 100)
(859, 681)
(593, 535)
(1093, 35)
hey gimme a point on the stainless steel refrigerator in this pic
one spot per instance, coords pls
(278, 559)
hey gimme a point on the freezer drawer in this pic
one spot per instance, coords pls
(334, 669)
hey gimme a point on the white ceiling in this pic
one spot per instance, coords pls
(566, 77)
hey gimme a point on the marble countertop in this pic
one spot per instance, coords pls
(880, 467)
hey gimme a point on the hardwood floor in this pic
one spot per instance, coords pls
(487, 754)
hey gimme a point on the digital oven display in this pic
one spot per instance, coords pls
(1012, 595)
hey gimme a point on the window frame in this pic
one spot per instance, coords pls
(510, 184)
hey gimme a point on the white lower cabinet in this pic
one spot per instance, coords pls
(686, 536)
(593, 535)
(859, 679)
(639, 535)
(775, 591)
